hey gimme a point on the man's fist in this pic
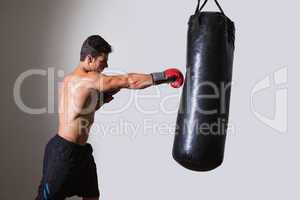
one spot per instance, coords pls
(175, 76)
(172, 75)
(108, 96)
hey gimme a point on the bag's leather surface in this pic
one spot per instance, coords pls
(204, 107)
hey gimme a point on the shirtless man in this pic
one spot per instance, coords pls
(69, 168)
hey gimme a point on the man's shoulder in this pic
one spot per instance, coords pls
(84, 82)
(78, 77)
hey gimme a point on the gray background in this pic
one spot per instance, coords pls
(260, 162)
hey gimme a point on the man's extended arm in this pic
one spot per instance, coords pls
(104, 83)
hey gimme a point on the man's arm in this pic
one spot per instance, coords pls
(104, 83)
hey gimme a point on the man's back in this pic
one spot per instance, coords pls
(77, 105)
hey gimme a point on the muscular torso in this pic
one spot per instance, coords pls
(77, 106)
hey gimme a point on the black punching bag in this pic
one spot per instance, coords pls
(203, 113)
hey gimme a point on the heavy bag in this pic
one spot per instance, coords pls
(204, 106)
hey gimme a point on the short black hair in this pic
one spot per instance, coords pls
(94, 46)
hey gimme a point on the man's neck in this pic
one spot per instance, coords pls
(83, 67)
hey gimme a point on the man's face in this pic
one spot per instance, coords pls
(100, 63)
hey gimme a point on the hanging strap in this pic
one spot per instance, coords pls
(198, 5)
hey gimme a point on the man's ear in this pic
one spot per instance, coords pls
(89, 59)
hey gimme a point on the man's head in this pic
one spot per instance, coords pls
(94, 53)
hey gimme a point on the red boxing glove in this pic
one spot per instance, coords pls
(172, 75)
(175, 76)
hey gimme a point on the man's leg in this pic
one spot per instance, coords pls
(88, 180)
(55, 172)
